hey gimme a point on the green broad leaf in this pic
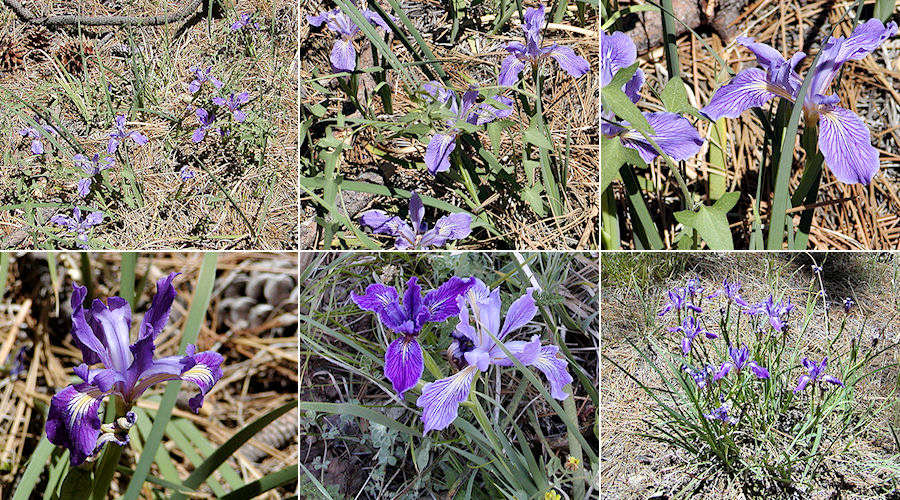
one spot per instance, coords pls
(77, 483)
(613, 99)
(418, 129)
(530, 167)
(613, 155)
(884, 9)
(622, 77)
(535, 136)
(711, 221)
(532, 196)
(493, 131)
(318, 110)
(675, 98)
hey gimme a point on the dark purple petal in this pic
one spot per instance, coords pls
(441, 302)
(158, 314)
(204, 369)
(412, 300)
(748, 89)
(403, 364)
(440, 399)
(437, 155)
(765, 54)
(416, 212)
(757, 370)
(723, 371)
(376, 298)
(73, 422)
(844, 141)
(83, 336)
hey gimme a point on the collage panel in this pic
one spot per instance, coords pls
(750, 125)
(148, 125)
(481, 115)
(750, 375)
(437, 375)
(178, 380)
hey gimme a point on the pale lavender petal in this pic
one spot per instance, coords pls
(844, 141)
(748, 89)
(554, 366)
(802, 382)
(526, 351)
(114, 319)
(510, 69)
(139, 138)
(632, 87)
(617, 51)
(343, 55)
(519, 314)
(403, 364)
(416, 212)
(674, 134)
(382, 223)
(93, 219)
(37, 147)
(84, 187)
(455, 226)
(571, 63)
(440, 399)
(765, 54)
(437, 154)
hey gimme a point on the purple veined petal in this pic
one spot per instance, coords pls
(686, 345)
(216, 82)
(455, 226)
(62, 220)
(73, 421)
(198, 135)
(343, 55)
(802, 383)
(479, 358)
(500, 113)
(395, 318)
(219, 101)
(844, 141)
(441, 302)
(112, 145)
(526, 351)
(114, 323)
(723, 371)
(838, 50)
(403, 364)
(194, 86)
(617, 51)
(554, 366)
(632, 87)
(832, 380)
(674, 134)
(416, 212)
(573, 64)
(84, 187)
(104, 378)
(93, 219)
(534, 20)
(412, 300)
(748, 89)
(382, 223)
(519, 314)
(782, 74)
(440, 399)
(765, 54)
(239, 116)
(241, 99)
(83, 336)
(437, 154)
(158, 314)
(468, 101)
(374, 18)
(120, 122)
(37, 147)
(510, 69)
(139, 138)
(376, 297)
(203, 370)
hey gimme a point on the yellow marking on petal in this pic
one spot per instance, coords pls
(199, 372)
(80, 404)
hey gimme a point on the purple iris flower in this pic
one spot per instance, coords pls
(700, 375)
(186, 174)
(245, 20)
(721, 413)
(844, 138)
(102, 334)
(455, 226)
(777, 312)
(473, 344)
(202, 76)
(740, 357)
(206, 120)
(35, 134)
(343, 54)
(234, 103)
(816, 269)
(403, 362)
(816, 374)
(673, 133)
(691, 327)
(91, 166)
(437, 155)
(678, 301)
(732, 291)
(532, 52)
(693, 287)
(119, 134)
(79, 226)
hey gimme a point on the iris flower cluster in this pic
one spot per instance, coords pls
(102, 333)
(474, 346)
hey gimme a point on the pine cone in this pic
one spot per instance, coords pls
(37, 41)
(73, 56)
(12, 54)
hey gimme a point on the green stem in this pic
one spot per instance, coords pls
(609, 227)
(809, 184)
(106, 468)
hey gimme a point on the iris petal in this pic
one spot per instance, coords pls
(403, 364)
(844, 141)
(440, 399)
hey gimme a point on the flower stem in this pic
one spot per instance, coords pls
(106, 467)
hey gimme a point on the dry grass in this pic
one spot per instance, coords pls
(259, 372)
(853, 217)
(256, 165)
(571, 108)
(637, 467)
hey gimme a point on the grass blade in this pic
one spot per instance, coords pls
(264, 484)
(36, 464)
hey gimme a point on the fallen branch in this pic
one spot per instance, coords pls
(27, 16)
